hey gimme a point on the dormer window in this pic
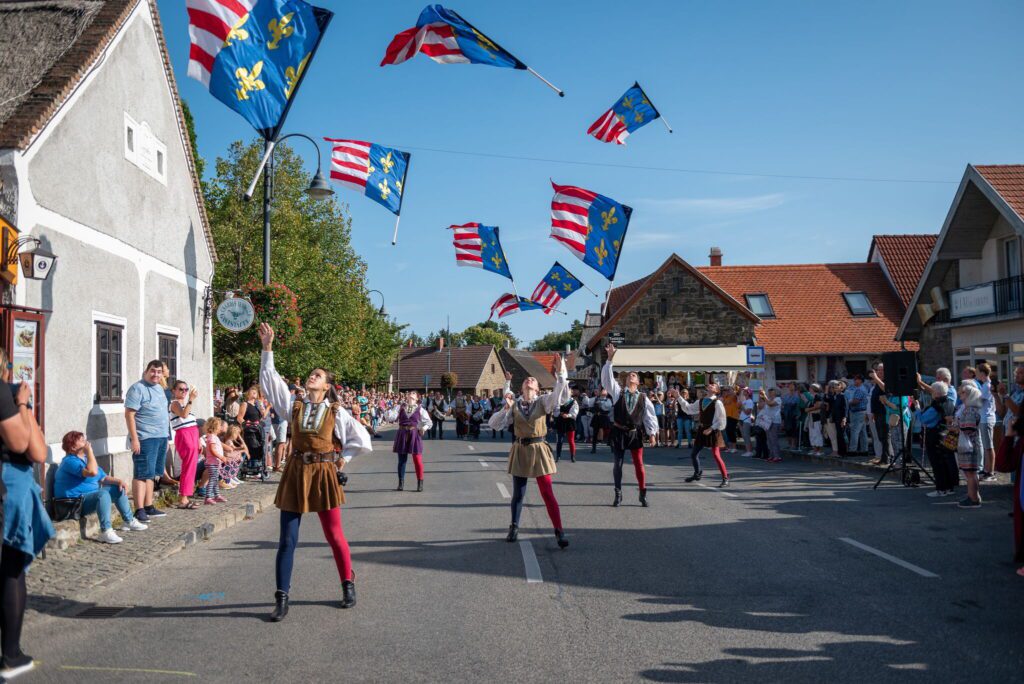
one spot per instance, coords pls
(759, 305)
(859, 304)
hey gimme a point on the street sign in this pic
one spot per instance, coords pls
(755, 356)
(426, 380)
(616, 337)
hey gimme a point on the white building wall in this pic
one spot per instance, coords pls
(130, 246)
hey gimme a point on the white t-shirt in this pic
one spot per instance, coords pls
(747, 411)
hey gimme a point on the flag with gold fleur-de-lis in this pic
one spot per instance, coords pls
(630, 112)
(554, 287)
(479, 246)
(370, 169)
(253, 54)
(592, 226)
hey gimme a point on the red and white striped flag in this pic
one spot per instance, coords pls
(506, 305)
(210, 25)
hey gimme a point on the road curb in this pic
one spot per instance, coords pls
(247, 509)
(844, 464)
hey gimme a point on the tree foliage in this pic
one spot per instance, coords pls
(311, 253)
(556, 341)
(486, 332)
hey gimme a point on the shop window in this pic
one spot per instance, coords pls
(109, 350)
(759, 305)
(169, 355)
(859, 304)
(785, 371)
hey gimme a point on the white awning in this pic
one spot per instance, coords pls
(694, 359)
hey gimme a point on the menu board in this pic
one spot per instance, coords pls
(24, 351)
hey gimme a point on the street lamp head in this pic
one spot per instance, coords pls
(319, 188)
(383, 312)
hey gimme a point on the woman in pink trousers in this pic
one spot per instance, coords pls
(186, 440)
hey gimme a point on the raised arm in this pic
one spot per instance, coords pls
(608, 374)
(561, 392)
(355, 440)
(502, 418)
(274, 386)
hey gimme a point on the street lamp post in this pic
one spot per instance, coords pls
(318, 189)
(383, 313)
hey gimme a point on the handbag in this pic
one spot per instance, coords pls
(1008, 455)
(951, 439)
(67, 509)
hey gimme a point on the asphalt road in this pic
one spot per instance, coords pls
(700, 587)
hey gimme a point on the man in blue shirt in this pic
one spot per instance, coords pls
(80, 476)
(858, 401)
(148, 426)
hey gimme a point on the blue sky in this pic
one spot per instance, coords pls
(883, 90)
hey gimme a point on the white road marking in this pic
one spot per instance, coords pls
(892, 559)
(503, 490)
(716, 489)
(533, 575)
(471, 447)
(484, 463)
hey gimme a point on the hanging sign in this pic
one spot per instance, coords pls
(236, 314)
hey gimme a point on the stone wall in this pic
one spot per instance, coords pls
(936, 349)
(678, 310)
(491, 380)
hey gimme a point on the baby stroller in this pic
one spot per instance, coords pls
(256, 441)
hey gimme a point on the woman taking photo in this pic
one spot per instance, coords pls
(26, 524)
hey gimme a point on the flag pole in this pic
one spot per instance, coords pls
(665, 122)
(394, 238)
(401, 199)
(259, 169)
(549, 84)
(588, 289)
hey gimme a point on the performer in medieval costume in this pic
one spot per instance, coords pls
(710, 416)
(438, 410)
(601, 420)
(497, 401)
(565, 427)
(633, 420)
(324, 438)
(461, 409)
(413, 422)
(530, 455)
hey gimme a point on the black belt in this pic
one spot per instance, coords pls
(624, 428)
(527, 441)
(326, 457)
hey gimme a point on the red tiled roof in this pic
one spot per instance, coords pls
(905, 257)
(811, 316)
(1008, 181)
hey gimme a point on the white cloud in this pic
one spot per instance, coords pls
(715, 205)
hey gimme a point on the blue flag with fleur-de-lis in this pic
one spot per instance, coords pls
(254, 61)
(555, 286)
(592, 226)
(478, 246)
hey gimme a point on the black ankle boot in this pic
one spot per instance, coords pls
(725, 483)
(348, 594)
(696, 476)
(618, 498)
(643, 497)
(513, 533)
(401, 485)
(280, 606)
(562, 541)
(419, 485)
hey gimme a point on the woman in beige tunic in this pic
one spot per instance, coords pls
(530, 455)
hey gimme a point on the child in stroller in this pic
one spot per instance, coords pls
(255, 462)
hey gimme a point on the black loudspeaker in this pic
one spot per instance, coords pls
(900, 373)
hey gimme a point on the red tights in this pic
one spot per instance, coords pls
(331, 522)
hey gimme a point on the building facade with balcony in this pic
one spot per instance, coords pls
(968, 306)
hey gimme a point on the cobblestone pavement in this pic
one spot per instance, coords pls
(58, 583)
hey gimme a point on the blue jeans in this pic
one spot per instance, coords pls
(684, 426)
(858, 431)
(98, 502)
(152, 454)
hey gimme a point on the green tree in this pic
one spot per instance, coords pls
(556, 341)
(490, 332)
(311, 254)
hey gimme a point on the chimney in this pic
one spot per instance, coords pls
(507, 343)
(715, 256)
(440, 344)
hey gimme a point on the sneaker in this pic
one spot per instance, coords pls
(134, 526)
(154, 512)
(949, 492)
(220, 499)
(109, 536)
(967, 503)
(748, 454)
(936, 494)
(989, 477)
(235, 481)
(141, 515)
(16, 665)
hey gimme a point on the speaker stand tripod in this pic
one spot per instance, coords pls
(906, 460)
